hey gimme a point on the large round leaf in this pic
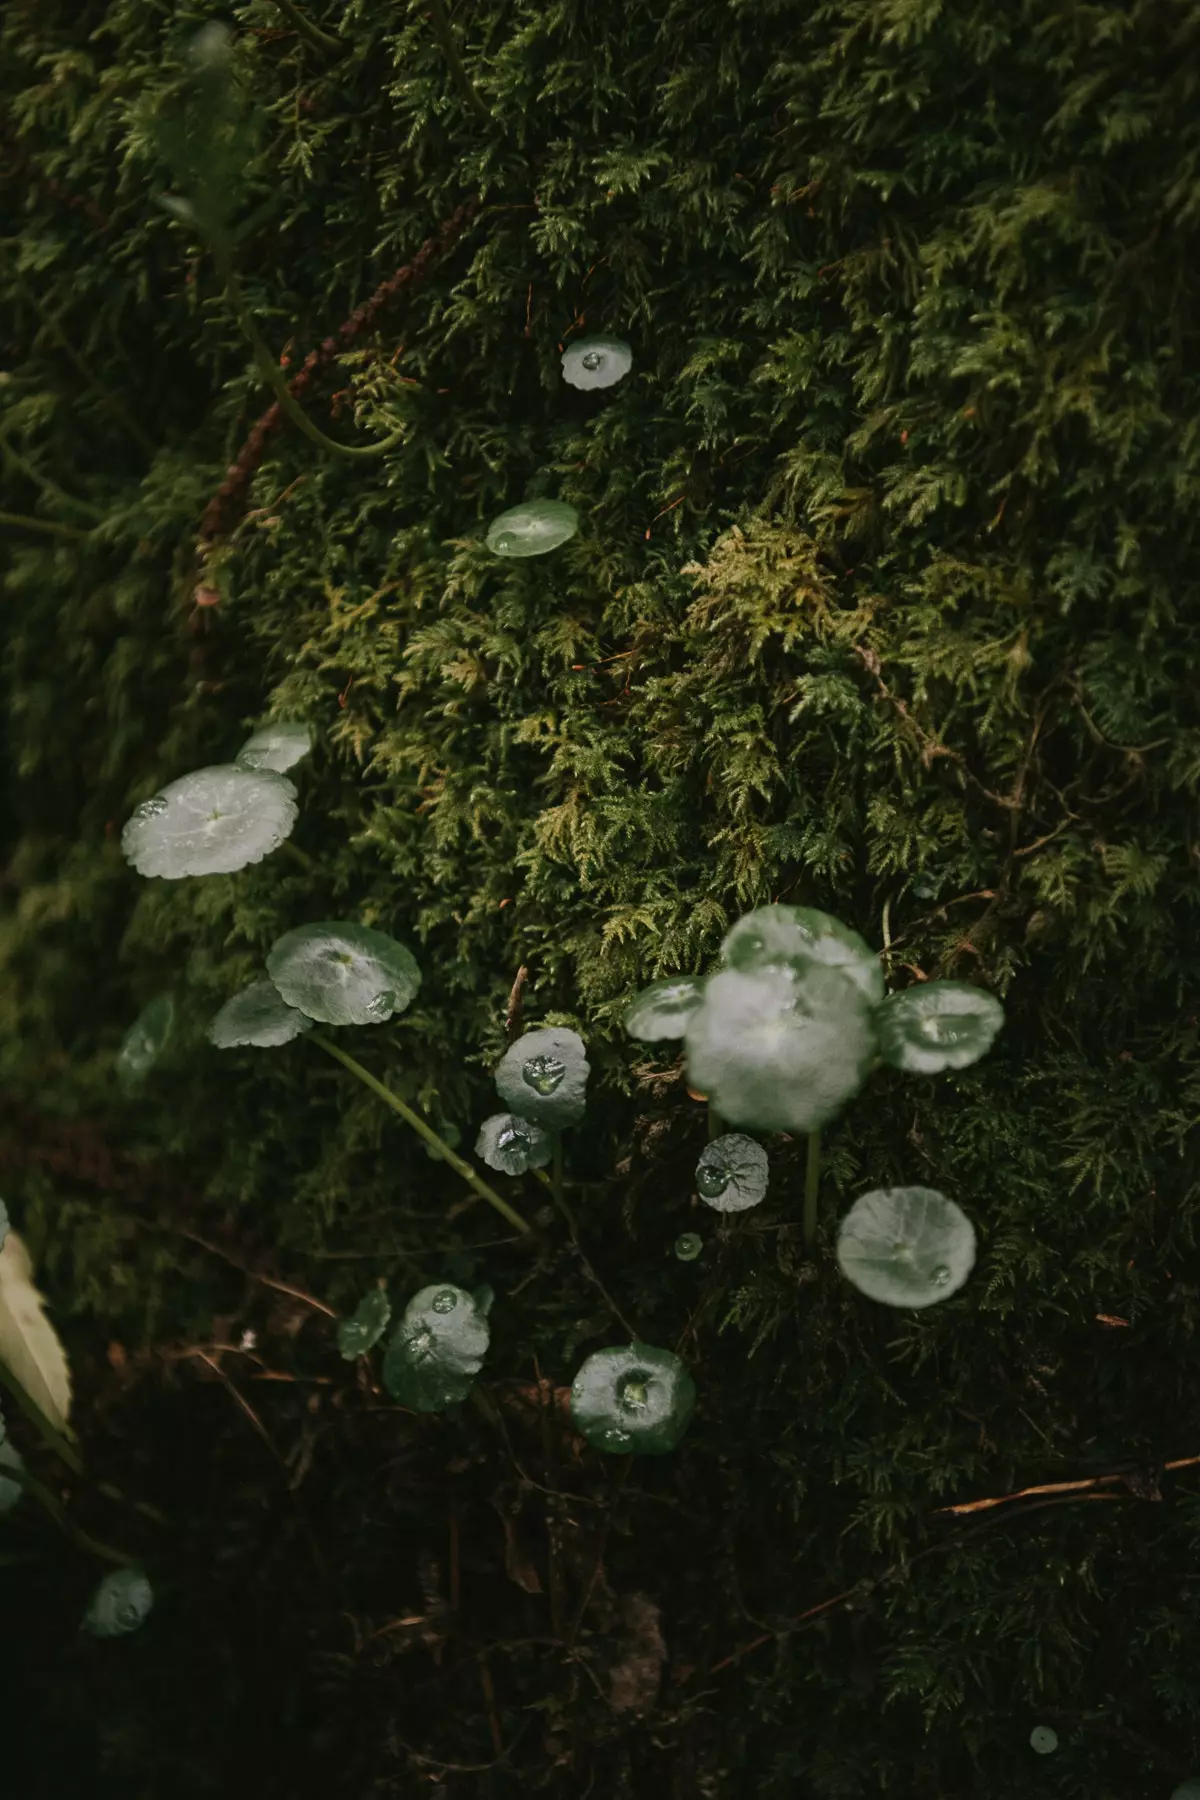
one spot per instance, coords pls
(532, 529)
(906, 1246)
(543, 1077)
(793, 936)
(278, 746)
(937, 1025)
(145, 1042)
(120, 1604)
(512, 1145)
(663, 1009)
(635, 1399)
(780, 1049)
(596, 362)
(211, 822)
(343, 974)
(437, 1349)
(732, 1173)
(259, 1015)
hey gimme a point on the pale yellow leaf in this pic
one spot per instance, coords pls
(29, 1346)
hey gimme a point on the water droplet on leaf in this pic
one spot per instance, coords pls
(712, 1181)
(154, 808)
(511, 1138)
(544, 1073)
(504, 541)
(688, 1246)
(383, 1005)
(591, 359)
(633, 1393)
(420, 1341)
(940, 1275)
(445, 1302)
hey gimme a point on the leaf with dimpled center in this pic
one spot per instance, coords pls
(259, 1015)
(596, 362)
(120, 1604)
(366, 1325)
(637, 1399)
(437, 1349)
(937, 1025)
(906, 1246)
(732, 1173)
(792, 936)
(663, 1009)
(543, 1077)
(532, 529)
(278, 746)
(211, 822)
(512, 1145)
(145, 1042)
(343, 974)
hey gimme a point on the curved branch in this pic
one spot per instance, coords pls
(312, 34)
(441, 26)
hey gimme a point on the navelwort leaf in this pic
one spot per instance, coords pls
(259, 1015)
(211, 822)
(732, 1173)
(688, 1246)
(1043, 1739)
(596, 362)
(367, 1324)
(937, 1025)
(119, 1605)
(278, 746)
(636, 1399)
(343, 974)
(29, 1346)
(513, 1144)
(906, 1246)
(780, 1049)
(145, 1042)
(436, 1350)
(532, 529)
(792, 937)
(663, 1009)
(543, 1077)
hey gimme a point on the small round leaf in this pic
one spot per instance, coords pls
(596, 362)
(277, 746)
(792, 936)
(119, 1604)
(732, 1173)
(1043, 1739)
(906, 1246)
(145, 1042)
(343, 974)
(366, 1325)
(532, 529)
(636, 1399)
(688, 1246)
(259, 1015)
(543, 1077)
(937, 1025)
(512, 1145)
(211, 822)
(436, 1350)
(663, 1009)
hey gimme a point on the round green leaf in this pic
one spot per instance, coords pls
(937, 1025)
(10, 1458)
(211, 822)
(343, 974)
(688, 1246)
(366, 1325)
(663, 1009)
(532, 529)
(792, 936)
(278, 746)
(436, 1350)
(596, 362)
(119, 1604)
(145, 1042)
(259, 1015)
(780, 1049)
(636, 1399)
(1043, 1739)
(732, 1173)
(906, 1246)
(543, 1077)
(512, 1144)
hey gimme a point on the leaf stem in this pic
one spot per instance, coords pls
(312, 34)
(53, 1438)
(44, 482)
(715, 1126)
(812, 1182)
(58, 1512)
(423, 1130)
(49, 526)
(298, 855)
(441, 26)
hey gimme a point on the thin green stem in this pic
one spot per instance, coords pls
(297, 855)
(22, 462)
(423, 1130)
(58, 1512)
(715, 1124)
(274, 376)
(312, 34)
(812, 1183)
(49, 526)
(439, 19)
(50, 1436)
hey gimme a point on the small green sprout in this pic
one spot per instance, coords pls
(120, 1604)
(437, 1348)
(512, 1144)
(637, 1399)
(259, 1015)
(543, 1077)
(937, 1025)
(906, 1246)
(278, 746)
(1043, 1739)
(732, 1173)
(366, 1325)
(145, 1042)
(663, 1009)
(343, 974)
(596, 362)
(532, 529)
(212, 822)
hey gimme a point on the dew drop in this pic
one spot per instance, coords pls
(511, 1138)
(632, 1391)
(688, 1246)
(543, 1074)
(932, 1028)
(712, 1180)
(592, 360)
(617, 1440)
(420, 1341)
(505, 541)
(940, 1275)
(154, 808)
(382, 1006)
(445, 1302)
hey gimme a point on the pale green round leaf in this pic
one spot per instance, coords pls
(1043, 1739)
(792, 936)
(211, 822)
(278, 746)
(688, 1246)
(596, 362)
(543, 1077)
(937, 1025)
(259, 1015)
(663, 1009)
(343, 974)
(512, 1145)
(366, 1325)
(906, 1246)
(436, 1350)
(732, 1173)
(533, 528)
(120, 1604)
(780, 1049)
(145, 1042)
(636, 1399)
(10, 1491)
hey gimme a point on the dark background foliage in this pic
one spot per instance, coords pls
(885, 601)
